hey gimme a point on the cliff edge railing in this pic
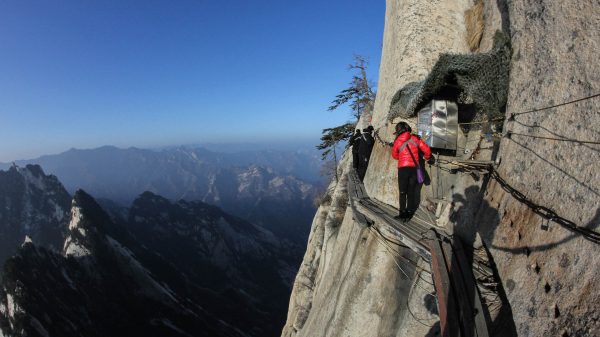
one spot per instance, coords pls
(459, 301)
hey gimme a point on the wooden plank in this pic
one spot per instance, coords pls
(407, 239)
(415, 246)
(355, 187)
(415, 230)
(360, 218)
(449, 326)
(481, 327)
(352, 189)
(368, 208)
(459, 301)
(465, 309)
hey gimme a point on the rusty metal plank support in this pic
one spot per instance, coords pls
(465, 310)
(479, 321)
(449, 324)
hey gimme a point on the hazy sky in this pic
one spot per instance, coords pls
(86, 73)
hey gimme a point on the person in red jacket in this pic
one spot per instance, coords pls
(406, 152)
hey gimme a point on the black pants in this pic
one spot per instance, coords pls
(355, 159)
(362, 168)
(407, 184)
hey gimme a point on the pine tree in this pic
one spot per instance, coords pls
(360, 96)
(330, 140)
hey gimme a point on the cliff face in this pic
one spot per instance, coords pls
(351, 284)
(550, 274)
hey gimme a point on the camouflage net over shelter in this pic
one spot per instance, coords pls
(478, 79)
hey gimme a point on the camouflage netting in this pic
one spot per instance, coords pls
(479, 79)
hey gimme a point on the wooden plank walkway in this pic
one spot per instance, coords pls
(459, 301)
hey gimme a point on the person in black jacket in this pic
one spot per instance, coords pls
(355, 143)
(364, 151)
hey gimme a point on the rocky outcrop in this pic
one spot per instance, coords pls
(349, 285)
(168, 269)
(33, 204)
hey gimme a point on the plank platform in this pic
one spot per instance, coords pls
(460, 305)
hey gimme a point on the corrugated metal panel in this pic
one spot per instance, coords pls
(437, 124)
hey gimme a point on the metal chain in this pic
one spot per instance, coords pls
(544, 211)
(378, 138)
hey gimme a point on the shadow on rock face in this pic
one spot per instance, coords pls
(469, 234)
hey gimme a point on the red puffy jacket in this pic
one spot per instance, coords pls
(404, 158)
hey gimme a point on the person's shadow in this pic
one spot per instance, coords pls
(466, 235)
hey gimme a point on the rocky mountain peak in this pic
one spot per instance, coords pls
(33, 204)
(85, 227)
(178, 269)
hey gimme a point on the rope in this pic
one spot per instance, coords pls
(510, 133)
(553, 106)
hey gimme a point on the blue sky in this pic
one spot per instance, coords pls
(155, 73)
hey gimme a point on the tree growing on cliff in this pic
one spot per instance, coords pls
(360, 97)
(360, 94)
(329, 141)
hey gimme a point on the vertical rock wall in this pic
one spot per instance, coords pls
(550, 274)
(415, 34)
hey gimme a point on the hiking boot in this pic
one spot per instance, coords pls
(402, 216)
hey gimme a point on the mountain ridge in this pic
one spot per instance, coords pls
(197, 266)
(261, 186)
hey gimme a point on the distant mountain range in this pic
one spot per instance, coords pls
(274, 189)
(162, 268)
